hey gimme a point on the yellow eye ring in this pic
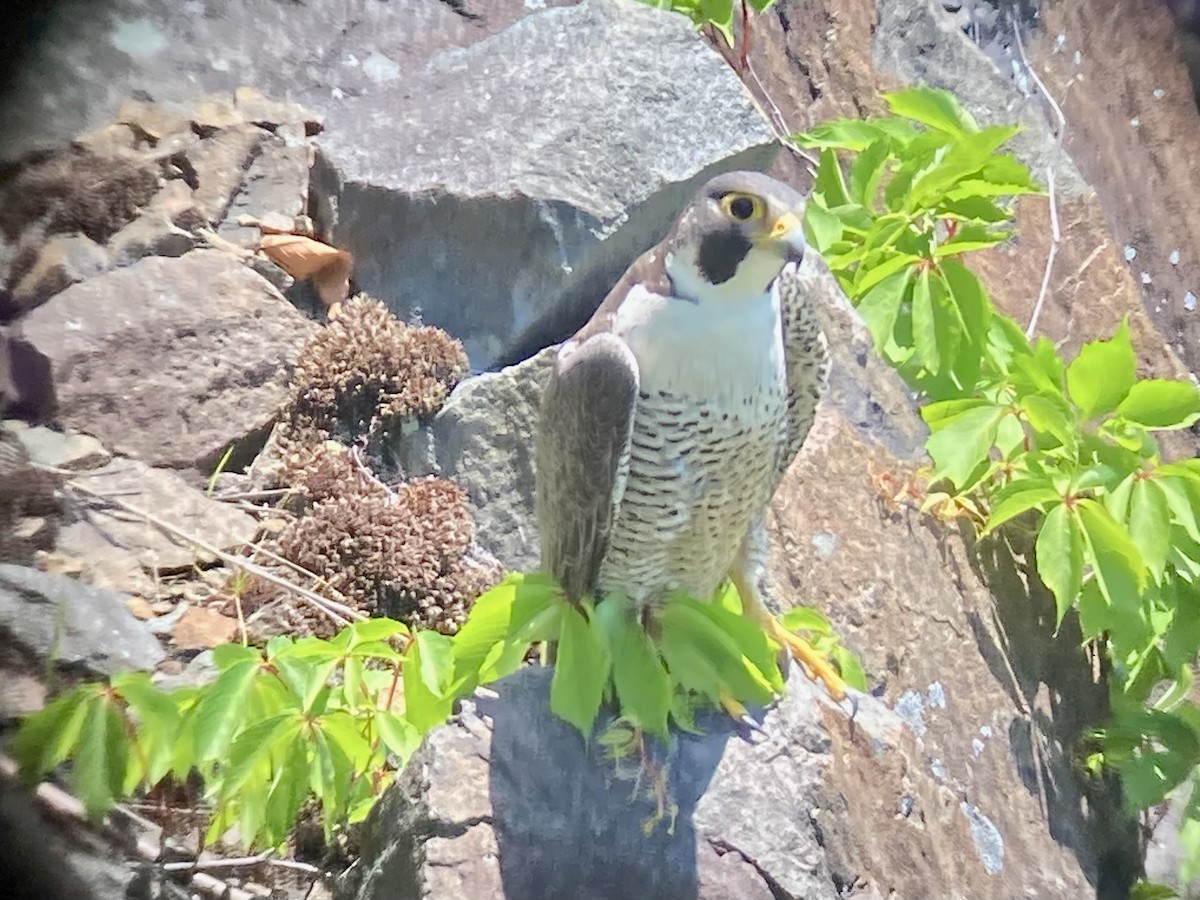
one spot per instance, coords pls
(741, 207)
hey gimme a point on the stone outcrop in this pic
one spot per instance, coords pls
(494, 166)
(172, 360)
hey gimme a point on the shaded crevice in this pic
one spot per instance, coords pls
(722, 847)
(444, 829)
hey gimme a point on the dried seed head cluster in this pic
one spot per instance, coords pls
(319, 470)
(403, 553)
(74, 190)
(366, 372)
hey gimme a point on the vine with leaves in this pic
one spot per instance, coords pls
(1062, 451)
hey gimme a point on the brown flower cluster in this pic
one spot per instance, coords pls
(366, 372)
(402, 552)
(74, 190)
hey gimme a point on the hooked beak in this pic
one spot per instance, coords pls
(788, 230)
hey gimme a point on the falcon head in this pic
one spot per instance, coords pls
(734, 238)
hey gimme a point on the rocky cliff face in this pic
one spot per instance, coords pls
(494, 167)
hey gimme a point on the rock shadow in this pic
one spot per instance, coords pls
(1051, 676)
(567, 826)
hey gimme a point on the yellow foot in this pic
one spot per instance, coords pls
(738, 712)
(816, 666)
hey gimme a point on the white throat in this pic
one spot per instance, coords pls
(722, 347)
(752, 278)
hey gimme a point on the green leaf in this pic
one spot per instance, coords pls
(975, 208)
(49, 736)
(306, 648)
(580, 673)
(822, 229)
(502, 624)
(1050, 414)
(933, 107)
(1019, 497)
(1162, 404)
(850, 667)
(226, 655)
(285, 795)
(1002, 175)
(437, 663)
(1150, 890)
(706, 658)
(158, 721)
(756, 649)
(717, 13)
(1117, 563)
(867, 170)
(841, 134)
(1183, 499)
(962, 159)
(805, 618)
(1102, 374)
(1095, 615)
(256, 747)
(1059, 552)
(974, 308)
(1150, 524)
(968, 239)
(961, 446)
(423, 707)
(867, 278)
(221, 708)
(345, 730)
(98, 773)
(643, 686)
(829, 189)
(376, 629)
(398, 735)
(881, 305)
(925, 339)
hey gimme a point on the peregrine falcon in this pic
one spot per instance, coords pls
(669, 419)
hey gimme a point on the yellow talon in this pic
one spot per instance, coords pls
(816, 666)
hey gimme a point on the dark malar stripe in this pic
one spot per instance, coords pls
(720, 254)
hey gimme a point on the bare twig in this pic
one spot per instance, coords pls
(1041, 85)
(250, 496)
(337, 612)
(241, 862)
(317, 580)
(365, 472)
(1055, 240)
(1055, 233)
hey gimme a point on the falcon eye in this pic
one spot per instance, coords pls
(742, 207)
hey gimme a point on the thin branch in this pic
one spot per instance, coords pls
(267, 494)
(318, 581)
(241, 862)
(1041, 85)
(1055, 233)
(365, 472)
(1055, 240)
(335, 611)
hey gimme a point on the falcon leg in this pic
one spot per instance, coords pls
(742, 574)
(815, 665)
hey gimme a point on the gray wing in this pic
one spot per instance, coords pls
(582, 456)
(806, 354)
